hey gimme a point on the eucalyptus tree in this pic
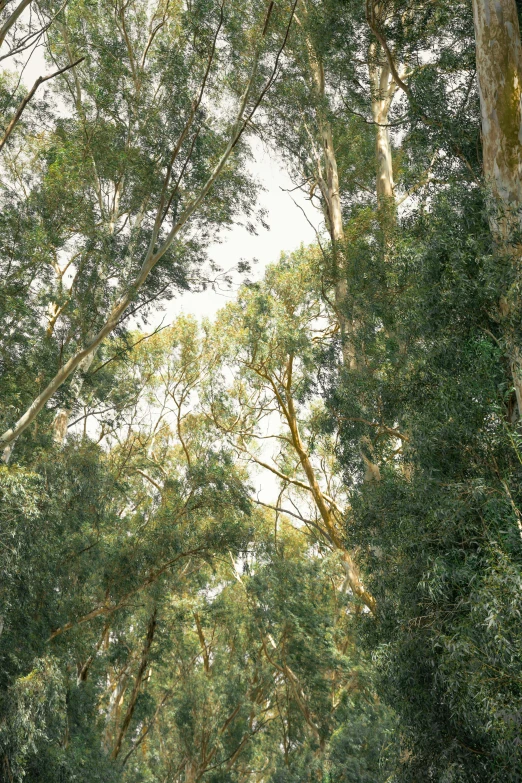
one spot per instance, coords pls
(156, 623)
(441, 557)
(440, 533)
(140, 171)
(268, 343)
(433, 399)
(305, 122)
(98, 550)
(359, 92)
(23, 26)
(499, 71)
(270, 670)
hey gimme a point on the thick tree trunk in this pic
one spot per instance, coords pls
(499, 72)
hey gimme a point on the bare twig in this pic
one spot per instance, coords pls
(281, 510)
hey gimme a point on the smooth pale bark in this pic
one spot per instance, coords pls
(383, 89)
(499, 74)
(335, 224)
(382, 96)
(12, 19)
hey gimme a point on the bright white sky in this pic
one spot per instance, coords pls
(288, 229)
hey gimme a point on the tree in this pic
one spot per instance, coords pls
(136, 184)
(357, 620)
(269, 341)
(166, 629)
(499, 70)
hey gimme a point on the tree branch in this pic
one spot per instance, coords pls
(23, 104)
(151, 259)
(12, 19)
(137, 683)
(108, 609)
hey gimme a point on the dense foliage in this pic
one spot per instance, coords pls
(359, 619)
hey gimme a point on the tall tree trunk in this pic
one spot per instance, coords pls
(349, 565)
(499, 72)
(332, 197)
(382, 91)
(329, 185)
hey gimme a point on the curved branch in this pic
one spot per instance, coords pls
(137, 683)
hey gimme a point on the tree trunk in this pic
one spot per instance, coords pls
(137, 683)
(12, 19)
(61, 420)
(154, 253)
(349, 565)
(383, 88)
(499, 72)
(332, 198)
(329, 186)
